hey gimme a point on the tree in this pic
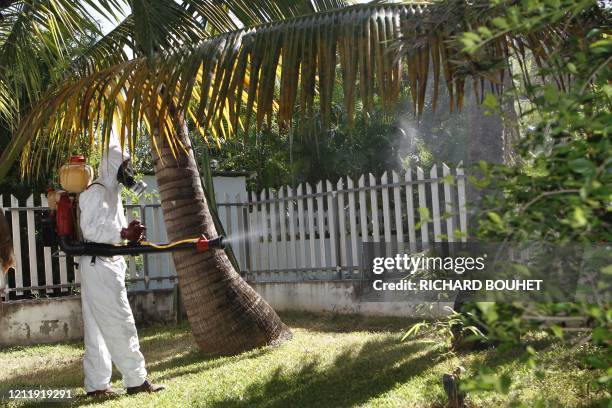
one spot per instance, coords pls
(192, 61)
(557, 196)
(232, 317)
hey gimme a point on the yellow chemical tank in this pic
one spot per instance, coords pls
(76, 175)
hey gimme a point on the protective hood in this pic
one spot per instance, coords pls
(102, 215)
(112, 158)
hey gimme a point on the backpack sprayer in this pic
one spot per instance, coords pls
(60, 226)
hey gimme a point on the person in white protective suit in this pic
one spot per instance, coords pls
(110, 332)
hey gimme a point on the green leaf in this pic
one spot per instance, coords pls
(602, 46)
(607, 270)
(551, 95)
(557, 331)
(582, 166)
(579, 220)
(485, 31)
(601, 334)
(500, 22)
(424, 214)
(490, 101)
(597, 362)
(495, 218)
(471, 36)
(504, 384)
(489, 310)
(414, 330)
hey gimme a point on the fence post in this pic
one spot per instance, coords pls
(462, 209)
(255, 232)
(448, 204)
(374, 206)
(145, 260)
(265, 260)
(155, 229)
(5, 295)
(17, 244)
(422, 206)
(273, 223)
(435, 203)
(410, 210)
(292, 239)
(243, 220)
(363, 215)
(332, 225)
(397, 204)
(352, 225)
(321, 225)
(311, 229)
(32, 242)
(239, 233)
(282, 210)
(301, 228)
(47, 253)
(384, 181)
(341, 228)
(228, 226)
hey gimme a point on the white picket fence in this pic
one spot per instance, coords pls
(284, 234)
(56, 268)
(315, 232)
(45, 270)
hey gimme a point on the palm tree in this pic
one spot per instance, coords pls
(219, 63)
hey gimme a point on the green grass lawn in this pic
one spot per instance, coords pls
(333, 361)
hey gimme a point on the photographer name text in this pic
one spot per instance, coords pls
(459, 285)
(459, 265)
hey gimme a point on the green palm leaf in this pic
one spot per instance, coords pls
(236, 73)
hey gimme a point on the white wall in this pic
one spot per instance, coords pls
(337, 297)
(41, 321)
(229, 185)
(223, 184)
(54, 320)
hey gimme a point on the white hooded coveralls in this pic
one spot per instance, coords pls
(110, 332)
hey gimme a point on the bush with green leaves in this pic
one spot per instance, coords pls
(560, 189)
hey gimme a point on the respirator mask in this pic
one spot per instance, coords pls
(125, 176)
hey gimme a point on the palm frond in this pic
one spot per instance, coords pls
(46, 27)
(8, 108)
(157, 26)
(256, 71)
(35, 42)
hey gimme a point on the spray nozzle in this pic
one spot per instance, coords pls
(204, 244)
(138, 188)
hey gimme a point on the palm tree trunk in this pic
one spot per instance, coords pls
(226, 315)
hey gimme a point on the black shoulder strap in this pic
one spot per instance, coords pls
(94, 184)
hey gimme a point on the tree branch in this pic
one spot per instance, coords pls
(546, 194)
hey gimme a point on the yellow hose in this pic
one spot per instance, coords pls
(171, 244)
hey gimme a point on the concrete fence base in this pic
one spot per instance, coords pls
(56, 320)
(337, 297)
